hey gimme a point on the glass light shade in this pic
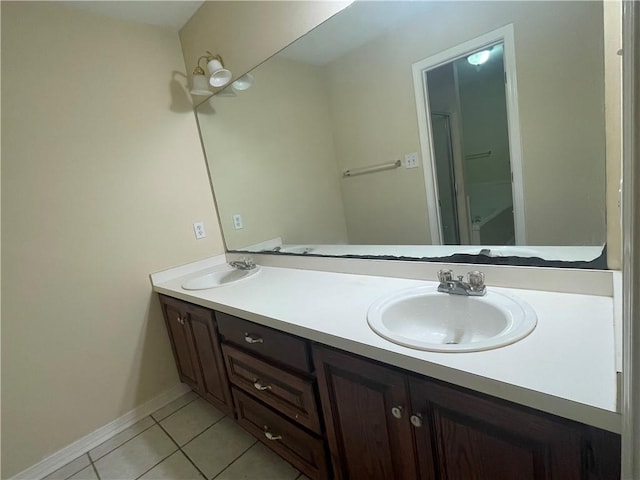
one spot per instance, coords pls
(243, 83)
(479, 58)
(219, 76)
(200, 85)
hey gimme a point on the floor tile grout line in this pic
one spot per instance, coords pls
(162, 460)
(180, 448)
(156, 464)
(93, 465)
(196, 436)
(91, 460)
(71, 475)
(235, 460)
(175, 411)
(127, 441)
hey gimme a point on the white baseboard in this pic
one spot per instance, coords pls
(95, 438)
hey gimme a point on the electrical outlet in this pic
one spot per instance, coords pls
(198, 227)
(411, 160)
(237, 222)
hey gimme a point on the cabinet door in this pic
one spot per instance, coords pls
(359, 400)
(468, 436)
(213, 383)
(196, 349)
(179, 335)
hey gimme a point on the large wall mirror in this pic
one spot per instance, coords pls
(421, 130)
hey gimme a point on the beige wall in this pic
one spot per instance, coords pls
(271, 158)
(613, 96)
(564, 155)
(374, 123)
(102, 178)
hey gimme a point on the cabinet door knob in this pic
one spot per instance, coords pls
(416, 420)
(180, 320)
(249, 338)
(271, 436)
(396, 412)
(260, 386)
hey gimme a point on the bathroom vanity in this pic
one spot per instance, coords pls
(289, 354)
(351, 163)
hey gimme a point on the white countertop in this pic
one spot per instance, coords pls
(566, 366)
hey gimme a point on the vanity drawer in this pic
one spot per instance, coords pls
(303, 450)
(289, 394)
(271, 344)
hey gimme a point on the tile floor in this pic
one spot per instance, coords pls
(188, 439)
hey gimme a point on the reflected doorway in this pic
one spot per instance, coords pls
(470, 141)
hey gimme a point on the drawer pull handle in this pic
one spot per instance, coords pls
(249, 338)
(271, 436)
(260, 386)
(396, 412)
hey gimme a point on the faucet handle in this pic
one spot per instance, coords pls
(445, 276)
(476, 280)
(248, 261)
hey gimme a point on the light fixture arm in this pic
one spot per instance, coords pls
(208, 57)
(211, 56)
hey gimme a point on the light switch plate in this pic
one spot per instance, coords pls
(411, 160)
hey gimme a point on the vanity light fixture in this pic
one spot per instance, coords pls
(218, 75)
(243, 83)
(478, 58)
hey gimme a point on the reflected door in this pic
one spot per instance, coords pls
(445, 173)
(470, 146)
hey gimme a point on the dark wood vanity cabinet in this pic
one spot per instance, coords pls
(196, 349)
(470, 437)
(367, 417)
(379, 422)
(385, 423)
(274, 391)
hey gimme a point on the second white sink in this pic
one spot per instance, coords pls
(223, 275)
(426, 319)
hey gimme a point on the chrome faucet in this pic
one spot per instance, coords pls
(243, 264)
(473, 287)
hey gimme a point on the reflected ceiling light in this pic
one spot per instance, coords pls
(218, 75)
(243, 83)
(479, 58)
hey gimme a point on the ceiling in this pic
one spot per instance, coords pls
(355, 26)
(171, 14)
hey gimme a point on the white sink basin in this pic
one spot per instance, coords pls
(426, 319)
(223, 275)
